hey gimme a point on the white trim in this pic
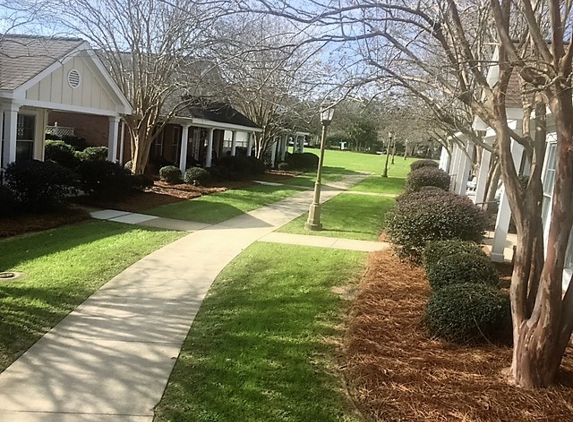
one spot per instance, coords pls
(211, 124)
(68, 107)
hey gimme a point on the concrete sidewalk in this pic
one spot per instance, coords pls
(110, 359)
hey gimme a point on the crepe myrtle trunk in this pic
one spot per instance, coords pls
(542, 316)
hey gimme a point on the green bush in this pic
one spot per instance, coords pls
(237, 167)
(303, 161)
(93, 154)
(141, 181)
(438, 249)
(79, 144)
(39, 186)
(8, 201)
(468, 313)
(421, 217)
(218, 173)
(461, 268)
(427, 176)
(170, 174)
(197, 176)
(283, 166)
(61, 153)
(258, 166)
(423, 163)
(105, 180)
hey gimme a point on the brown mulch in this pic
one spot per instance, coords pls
(35, 222)
(396, 372)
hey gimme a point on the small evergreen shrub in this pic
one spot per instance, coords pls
(461, 268)
(303, 161)
(197, 176)
(61, 153)
(39, 186)
(238, 167)
(423, 163)
(170, 174)
(79, 144)
(8, 201)
(105, 180)
(467, 313)
(283, 166)
(438, 249)
(258, 166)
(218, 173)
(421, 217)
(427, 176)
(93, 154)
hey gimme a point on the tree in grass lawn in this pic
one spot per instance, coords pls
(531, 45)
(155, 52)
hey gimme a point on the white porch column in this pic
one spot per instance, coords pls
(504, 213)
(283, 147)
(464, 168)
(444, 159)
(234, 144)
(302, 144)
(10, 127)
(184, 144)
(122, 143)
(454, 168)
(273, 151)
(482, 176)
(112, 138)
(2, 160)
(250, 144)
(209, 159)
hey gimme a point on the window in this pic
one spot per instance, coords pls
(25, 131)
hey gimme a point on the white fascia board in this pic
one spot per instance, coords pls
(217, 125)
(67, 107)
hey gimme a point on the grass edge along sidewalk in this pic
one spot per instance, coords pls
(263, 346)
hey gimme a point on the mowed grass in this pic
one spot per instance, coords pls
(215, 208)
(379, 184)
(349, 216)
(63, 267)
(263, 346)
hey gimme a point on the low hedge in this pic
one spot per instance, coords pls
(106, 180)
(461, 268)
(302, 161)
(427, 176)
(418, 164)
(421, 217)
(61, 153)
(468, 313)
(196, 176)
(438, 249)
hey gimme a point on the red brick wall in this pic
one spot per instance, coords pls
(95, 129)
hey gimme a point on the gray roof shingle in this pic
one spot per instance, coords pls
(22, 56)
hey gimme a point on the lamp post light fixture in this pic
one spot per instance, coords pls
(388, 146)
(313, 222)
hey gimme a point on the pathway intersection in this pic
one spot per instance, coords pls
(110, 359)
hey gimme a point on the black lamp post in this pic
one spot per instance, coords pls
(313, 222)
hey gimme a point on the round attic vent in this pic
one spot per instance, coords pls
(74, 78)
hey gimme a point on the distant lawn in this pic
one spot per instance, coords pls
(379, 184)
(263, 346)
(63, 267)
(215, 208)
(347, 216)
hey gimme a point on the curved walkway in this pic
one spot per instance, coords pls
(110, 359)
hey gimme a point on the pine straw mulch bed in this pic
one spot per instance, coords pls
(35, 222)
(395, 372)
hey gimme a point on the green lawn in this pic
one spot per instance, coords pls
(263, 346)
(215, 208)
(379, 184)
(347, 216)
(63, 267)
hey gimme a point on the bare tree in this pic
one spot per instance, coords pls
(154, 50)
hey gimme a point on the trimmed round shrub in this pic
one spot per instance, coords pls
(141, 181)
(238, 167)
(39, 186)
(423, 163)
(105, 180)
(197, 176)
(438, 249)
(421, 217)
(283, 166)
(93, 154)
(468, 313)
(8, 201)
(427, 176)
(258, 166)
(79, 144)
(61, 153)
(170, 174)
(305, 160)
(461, 268)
